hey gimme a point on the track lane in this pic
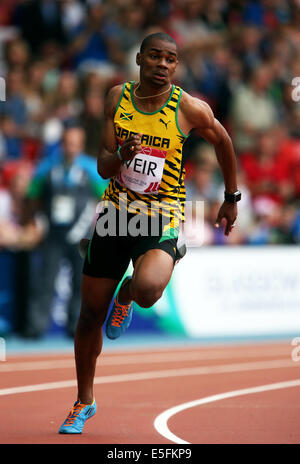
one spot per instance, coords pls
(127, 410)
(234, 418)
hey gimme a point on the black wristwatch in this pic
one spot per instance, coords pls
(233, 197)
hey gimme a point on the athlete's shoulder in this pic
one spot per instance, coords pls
(112, 99)
(196, 111)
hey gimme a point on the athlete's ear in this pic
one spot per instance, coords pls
(138, 58)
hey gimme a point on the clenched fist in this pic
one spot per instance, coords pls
(131, 147)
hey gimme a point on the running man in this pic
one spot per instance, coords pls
(146, 124)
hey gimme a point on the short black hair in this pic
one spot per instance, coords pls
(157, 35)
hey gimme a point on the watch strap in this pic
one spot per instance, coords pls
(233, 197)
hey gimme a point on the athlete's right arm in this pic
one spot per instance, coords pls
(108, 161)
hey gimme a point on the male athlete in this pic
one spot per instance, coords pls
(146, 124)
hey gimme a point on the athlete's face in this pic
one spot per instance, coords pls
(158, 62)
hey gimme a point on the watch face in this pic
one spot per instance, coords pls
(233, 197)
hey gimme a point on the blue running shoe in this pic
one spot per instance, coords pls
(78, 415)
(120, 317)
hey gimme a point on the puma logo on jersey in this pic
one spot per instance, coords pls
(164, 123)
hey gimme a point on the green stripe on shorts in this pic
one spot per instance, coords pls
(169, 233)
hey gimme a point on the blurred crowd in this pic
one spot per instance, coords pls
(58, 59)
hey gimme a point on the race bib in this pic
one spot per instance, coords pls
(144, 172)
(62, 209)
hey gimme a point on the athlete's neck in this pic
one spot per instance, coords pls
(149, 97)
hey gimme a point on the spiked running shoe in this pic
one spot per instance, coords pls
(78, 415)
(120, 317)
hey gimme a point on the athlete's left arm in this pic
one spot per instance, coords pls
(199, 116)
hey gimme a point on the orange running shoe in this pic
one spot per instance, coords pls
(120, 317)
(79, 413)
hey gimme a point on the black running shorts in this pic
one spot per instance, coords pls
(109, 255)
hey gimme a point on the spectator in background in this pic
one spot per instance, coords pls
(197, 41)
(21, 115)
(64, 103)
(202, 184)
(95, 81)
(289, 160)
(188, 24)
(208, 76)
(65, 188)
(17, 55)
(248, 47)
(283, 220)
(201, 192)
(225, 74)
(34, 98)
(39, 21)
(91, 120)
(13, 235)
(253, 110)
(132, 18)
(205, 186)
(11, 140)
(6, 12)
(265, 173)
(73, 16)
(16, 239)
(213, 15)
(14, 105)
(273, 225)
(155, 13)
(94, 44)
(52, 57)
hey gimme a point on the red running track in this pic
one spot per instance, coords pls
(240, 394)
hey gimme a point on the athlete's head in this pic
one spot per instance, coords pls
(158, 58)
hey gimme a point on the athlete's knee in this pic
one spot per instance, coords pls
(91, 317)
(146, 293)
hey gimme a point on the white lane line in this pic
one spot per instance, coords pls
(136, 359)
(161, 421)
(188, 371)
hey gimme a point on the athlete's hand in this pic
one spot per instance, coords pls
(131, 147)
(228, 214)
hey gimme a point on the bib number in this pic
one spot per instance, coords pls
(144, 172)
